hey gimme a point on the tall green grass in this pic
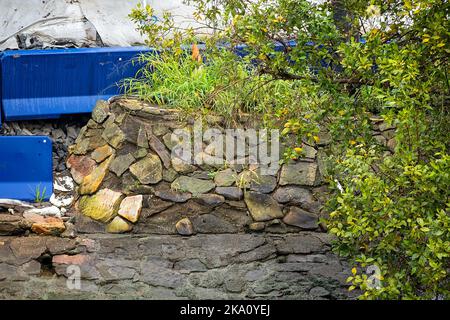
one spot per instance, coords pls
(222, 84)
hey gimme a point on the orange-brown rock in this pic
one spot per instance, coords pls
(49, 226)
(80, 167)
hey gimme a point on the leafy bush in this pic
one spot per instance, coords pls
(396, 219)
(390, 206)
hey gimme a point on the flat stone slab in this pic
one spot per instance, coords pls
(262, 207)
(299, 173)
(300, 218)
(148, 170)
(193, 185)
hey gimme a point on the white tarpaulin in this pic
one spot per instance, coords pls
(77, 23)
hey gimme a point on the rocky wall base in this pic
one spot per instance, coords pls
(225, 266)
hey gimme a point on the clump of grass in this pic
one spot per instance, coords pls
(223, 84)
(39, 195)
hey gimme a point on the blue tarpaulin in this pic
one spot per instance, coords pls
(26, 167)
(44, 84)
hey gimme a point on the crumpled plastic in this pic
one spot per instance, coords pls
(36, 24)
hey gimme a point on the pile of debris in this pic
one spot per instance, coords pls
(22, 218)
(46, 218)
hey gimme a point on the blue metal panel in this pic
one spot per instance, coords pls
(1, 107)
(40, 84)
(25, 167)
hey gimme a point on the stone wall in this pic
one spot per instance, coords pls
(130, 182)
(187, 231)
(215, 266)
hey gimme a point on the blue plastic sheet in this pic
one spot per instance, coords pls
(26, 167)
(45, 84)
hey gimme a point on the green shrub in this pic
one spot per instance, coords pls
(389, 208)
(395, 218)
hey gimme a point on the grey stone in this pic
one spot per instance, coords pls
(181, 166)
(172, 195)
(325, 138)
(319, 292)
(153, 205)
(303, 243)
(148, 170)
(301, 218)
(201, 175)
(160, 129)
(225, 178)
(167, 139)
(192, 185)
(210, 199)
(263, 184)
(101, 111)
(169, 175)
(70, 232)
(82, 147)
(297, 196)
(392, 144)
(262, 207)
(131, 128)
(323, 162)
(299, 173)
(17, 205)
(190, 265)
(12, 225)
(230, 193)
(113, 135)
(94, 125)
(223, 266)
(388, 134)
(160, 149)
(85, 224)
(140, 153)
(309, 152)
(384, 126)
(28, 248)
(72, 132)
(380, 139)
(211, 223)
(7, 271)
(57, 245)
(120, 164)
(133, 105)
(142, 140)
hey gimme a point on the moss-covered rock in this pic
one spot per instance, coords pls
(102, 206)
(118, 225)
(192, 185)
(148, 170)
(92, 182)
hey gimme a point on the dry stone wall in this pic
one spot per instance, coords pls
(186, 231)
(130, 181)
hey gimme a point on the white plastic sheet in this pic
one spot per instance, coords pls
(79, 23)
